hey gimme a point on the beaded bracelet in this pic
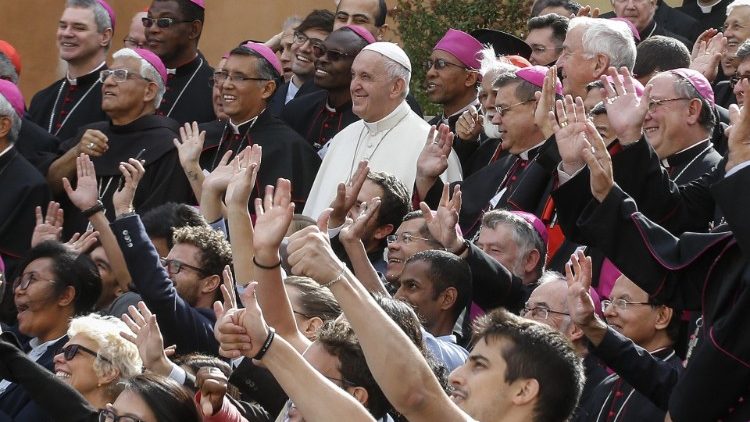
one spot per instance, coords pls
(338, 277)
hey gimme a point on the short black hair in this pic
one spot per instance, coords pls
(380, 17)
(524, 90)
(659, 53)
(168, 400)
(540, 352)
(70, 269)
(317, 19)
(161, 221)
(447, 270)
(189, 10)
(559, 25)
(395, 202)
(423, 230)
(540, 5)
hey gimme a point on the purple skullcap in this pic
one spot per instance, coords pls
(535, 222)
(461, 45)
(636, 85)
(154, 61)
(362, 32)
(199, 3)
(698, 81)
(10, 91)
(267, 54)
(631, 27)
(110, 12)
(535, 75)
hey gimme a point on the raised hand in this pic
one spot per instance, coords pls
(706, 55)
(433, 160)
(273, 215)
(146, 335)
(85, 194)
(218, 180)
(48, 227)
(598, 160)
(310, 252)
(246, 166)
(545, 103)
(739, 136)
(212, 384)
(132, 173)
(569, 123)
(80, 243)
(443, 225)
(469, 125)
(587, 11)
(190, 144)
(625, 109)
(232, 337)
(355, 230)
(251, 319)
(580, 303)
(346, 195)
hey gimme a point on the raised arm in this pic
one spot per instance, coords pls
(351, 238)
(433, 160)
(189, 148)
(238, 191)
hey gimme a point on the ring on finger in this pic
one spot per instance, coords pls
(563, 124)
(91, 145)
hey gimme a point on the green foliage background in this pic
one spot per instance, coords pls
(422, 23)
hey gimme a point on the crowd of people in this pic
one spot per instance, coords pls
(286, 237)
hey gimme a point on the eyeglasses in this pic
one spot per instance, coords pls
(343, 383)
(132, 43)
(502, 110)
(655, 103)
(406, 238)
(734, 80)
(119, 75)
(161, 22)
(634, 1)
(540, 312)
(540, 49)
(27, 279)
(620, 304)
(300, 38)
(320, 50)
(301, 314)
(440, 64)
(174, 266)
(219, 78)
(109, 415)
(70, 351)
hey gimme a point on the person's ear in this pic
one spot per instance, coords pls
(268, 89)
(448, 298)
(527, 391)
(5, 125)
(531, 260)
(694, 111)
(196, 27)
(601, 65)
(105, 38)
(383, 231)
(311, 326)
(211, 283)
(67, 297)
(663, 317)
(152, 89)
(382, 31)
(398, 88)
(472, 79)
(360, 394)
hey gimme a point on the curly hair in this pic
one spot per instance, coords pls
(215, 250)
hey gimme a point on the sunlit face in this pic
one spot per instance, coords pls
(337, 74)
(743, 71)
(576, 67)
(516, 124)
(737, 28)
(553, 297)
(303, 59)
(77, 35)
(499, 243)
(39, 313)
(449, 84)
(285, 57)
(129, 97)
(401, 250)
(372, 89)
(544, 48)
(639, 12)
(168, 43)
(79, 372)
(243, 99)
(487, 97)
(188, 281)
(637, 321)
(417, 289)
(666, 121)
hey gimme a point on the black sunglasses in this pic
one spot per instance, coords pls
(161, 22)
(70, 351)
(320, 50)
(441, 64)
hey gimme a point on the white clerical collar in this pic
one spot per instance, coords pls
(525, 155)
(389, 121)
(74, 81)
(665, 161)
(236, 127)
(706, 8)
(5, 151)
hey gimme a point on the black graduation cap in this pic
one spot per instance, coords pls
(504, 44)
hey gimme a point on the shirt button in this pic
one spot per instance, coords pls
(125, 232)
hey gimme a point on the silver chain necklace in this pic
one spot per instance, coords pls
(195, 72)
(57, 99)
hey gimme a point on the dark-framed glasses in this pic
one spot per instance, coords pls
(109, 415)
(162, 23)
(540, 312)
(70, 351)
(119, 75)
(620, 304)
(26, 279)
(440, 64)
(174, 266)
(300, 38)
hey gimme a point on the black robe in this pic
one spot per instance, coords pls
(677, 21)
(285, 153)
(189, 96)
(22, 189)
(277, 103)
(713, 19)
(310, 116)
(37, 145)
(657, 28)
(62, 107)
(164, 180)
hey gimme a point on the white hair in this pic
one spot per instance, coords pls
(396, 70)
(7, 110)
(609, 37)
(735, 4)
(148, 71)
(489, 63)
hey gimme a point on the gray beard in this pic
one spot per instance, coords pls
(490, 129)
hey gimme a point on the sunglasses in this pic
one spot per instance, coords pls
(320, 50)
(441, 64)
(70, 351)
(161, 22)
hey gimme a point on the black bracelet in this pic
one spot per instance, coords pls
(99, 206)
(264, 267)
(266, 344)
(463, 248)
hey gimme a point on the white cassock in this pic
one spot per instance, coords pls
(391, 145)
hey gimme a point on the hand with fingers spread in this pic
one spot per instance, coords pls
(569, 123)
(147, 337)
(48, 227)
(216, 182)
(580, 303)
(739, 136)
(190, 145)
(132, 173)
(704, 38)
(598, 160)
(232, 337)
(433, 160)
(241, 185)
(346, 195)
(85, 194)
(310, 252)
(469, 125)
(443, 225)
(545, 103)
(273, 215)
(80, 243)
(355, 230)
(625, 109)
(212, 385)
(707, 55)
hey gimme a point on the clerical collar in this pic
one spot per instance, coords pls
(706, 8)
(5, 151)
(390, 121)
(91, 76)
(236, 127)
(687, 154)
(525, 155)
(458, 114)
(187, 67)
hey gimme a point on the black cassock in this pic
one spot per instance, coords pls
(22, 188)
(285, 153)
(164, 180)
(37, 145)
(311, 117)
(188, 95)
(63, 107)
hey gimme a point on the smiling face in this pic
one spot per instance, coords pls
(637, 322)
(374, 93)
(337, 74)
(737, 28)
(667, 122)
(303, 59)
(285, 56)
(79, 372)
(576, 67)
(78, 38)
(400, 250)
(245, 99)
